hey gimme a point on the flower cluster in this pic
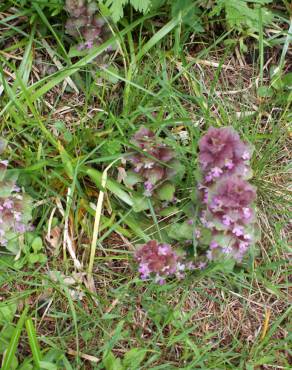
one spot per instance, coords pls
(85, 23)
(227, 195)
(160, 261)
(154, 163)
(15, 207)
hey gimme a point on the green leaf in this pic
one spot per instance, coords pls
(140, 203)
(111, 74)
(132, 179)
(7, 311)
(37, 244)
(265, 92)
(178, 171)
(116, 8)
(241, 15)
(166, 191)
(33, 258)
(110, 362)
(47, 365)
(226, 265)
(42, 258)
(133, 358)
(190, 13)
(141, 5)
(287, 80)
(181, 231)
(168, 211)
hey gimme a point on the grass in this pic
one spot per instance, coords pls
(62, 141)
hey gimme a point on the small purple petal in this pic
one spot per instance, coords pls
(238, 230)
(227, 250)
(245, 156)
(214, 245)
(216, 172)
(246, 212)
(229, 164)
(226, 220)
(8, 203)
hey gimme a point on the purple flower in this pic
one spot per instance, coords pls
(85, 23)
(160, 260)
(227, 249)
(14, 208)
(216, 172)
(17, 216)
(234, 193)
(228, 208)
(160, 263)
(20, 228)
(229, 164)
(221, 148)
(213, 244)
(245, 156)
(149, 162)
(8, 203)
(163, 249)
(246, 212)
(238, 230)
(144, 270)
(226, 220)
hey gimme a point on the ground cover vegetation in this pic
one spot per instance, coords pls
(144, 184)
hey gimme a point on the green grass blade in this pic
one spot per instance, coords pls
(111, 185)
(11, 350)
(33, 342)
(158, 36)
(47, 23)
(66, 72)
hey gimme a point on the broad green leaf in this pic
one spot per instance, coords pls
(265, 92)
(133, 358)
(181, 231)
(166, 191)
(132, 179)
(110, 362)
(37, 244)
(140, 203)
(33, 258)
(7, 311)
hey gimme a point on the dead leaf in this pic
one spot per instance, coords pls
(54, 238)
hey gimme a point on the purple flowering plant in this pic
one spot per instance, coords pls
(86, 24)
(160, 261)
(225, 227)
(227, 196)
(15, 207)
(154, 165)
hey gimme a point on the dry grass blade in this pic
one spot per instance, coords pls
(97, 219)
(67, 241)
